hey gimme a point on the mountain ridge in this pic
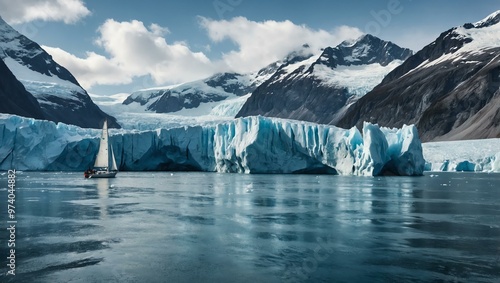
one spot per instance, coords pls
(443, 88)
(216, 88)
(318, 88)
(57, 91)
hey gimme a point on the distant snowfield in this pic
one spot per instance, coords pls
(359, 80)
(134, 117)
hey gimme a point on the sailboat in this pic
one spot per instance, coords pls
(105, 163)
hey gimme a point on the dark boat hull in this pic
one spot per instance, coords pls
(98, 174)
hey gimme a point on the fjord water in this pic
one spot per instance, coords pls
(208, 227)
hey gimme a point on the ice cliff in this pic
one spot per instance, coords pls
(245, 145)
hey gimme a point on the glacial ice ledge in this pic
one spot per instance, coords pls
(244, 145)
(463, 156)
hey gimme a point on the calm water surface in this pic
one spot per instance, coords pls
(208, 227)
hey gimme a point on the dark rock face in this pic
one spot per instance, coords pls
(15, 99)
(230, 83)
(456, 97)
(305, 99)
(72, 107)
(469, 111)
(301, 95)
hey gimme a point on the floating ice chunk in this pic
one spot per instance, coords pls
(495, 167)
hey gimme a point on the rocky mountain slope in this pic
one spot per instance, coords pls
(449, 89)
(319, 88)
(15, 99)
(58, 93)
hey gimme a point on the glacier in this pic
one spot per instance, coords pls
(467, 156)
(245, 145)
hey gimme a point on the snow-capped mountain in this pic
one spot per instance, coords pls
(191, 95)
(15, 99)
(58, 93)
(450, 89)
(319, 88)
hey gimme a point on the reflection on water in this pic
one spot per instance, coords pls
(102, 192)
(199, 227)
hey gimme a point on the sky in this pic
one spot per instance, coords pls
(116, 46)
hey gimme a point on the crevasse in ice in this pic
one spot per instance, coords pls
(245, 145)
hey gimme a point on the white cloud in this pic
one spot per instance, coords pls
(260, 43)
(133, 51)
(92, 70)
(68, 11)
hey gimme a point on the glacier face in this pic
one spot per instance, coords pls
(245, 145)
(470, 156)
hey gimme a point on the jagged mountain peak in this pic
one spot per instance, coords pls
(449, 89)
(490, 20)
(221, 78)
(480, 35)
(319, 87)
(367, 49)
(363, 39)
(299, 54)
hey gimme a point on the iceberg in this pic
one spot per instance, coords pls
(495, 166)
(245, 145)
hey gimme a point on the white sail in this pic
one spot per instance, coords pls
(102, 159)
(105, 163)
(113, 166)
